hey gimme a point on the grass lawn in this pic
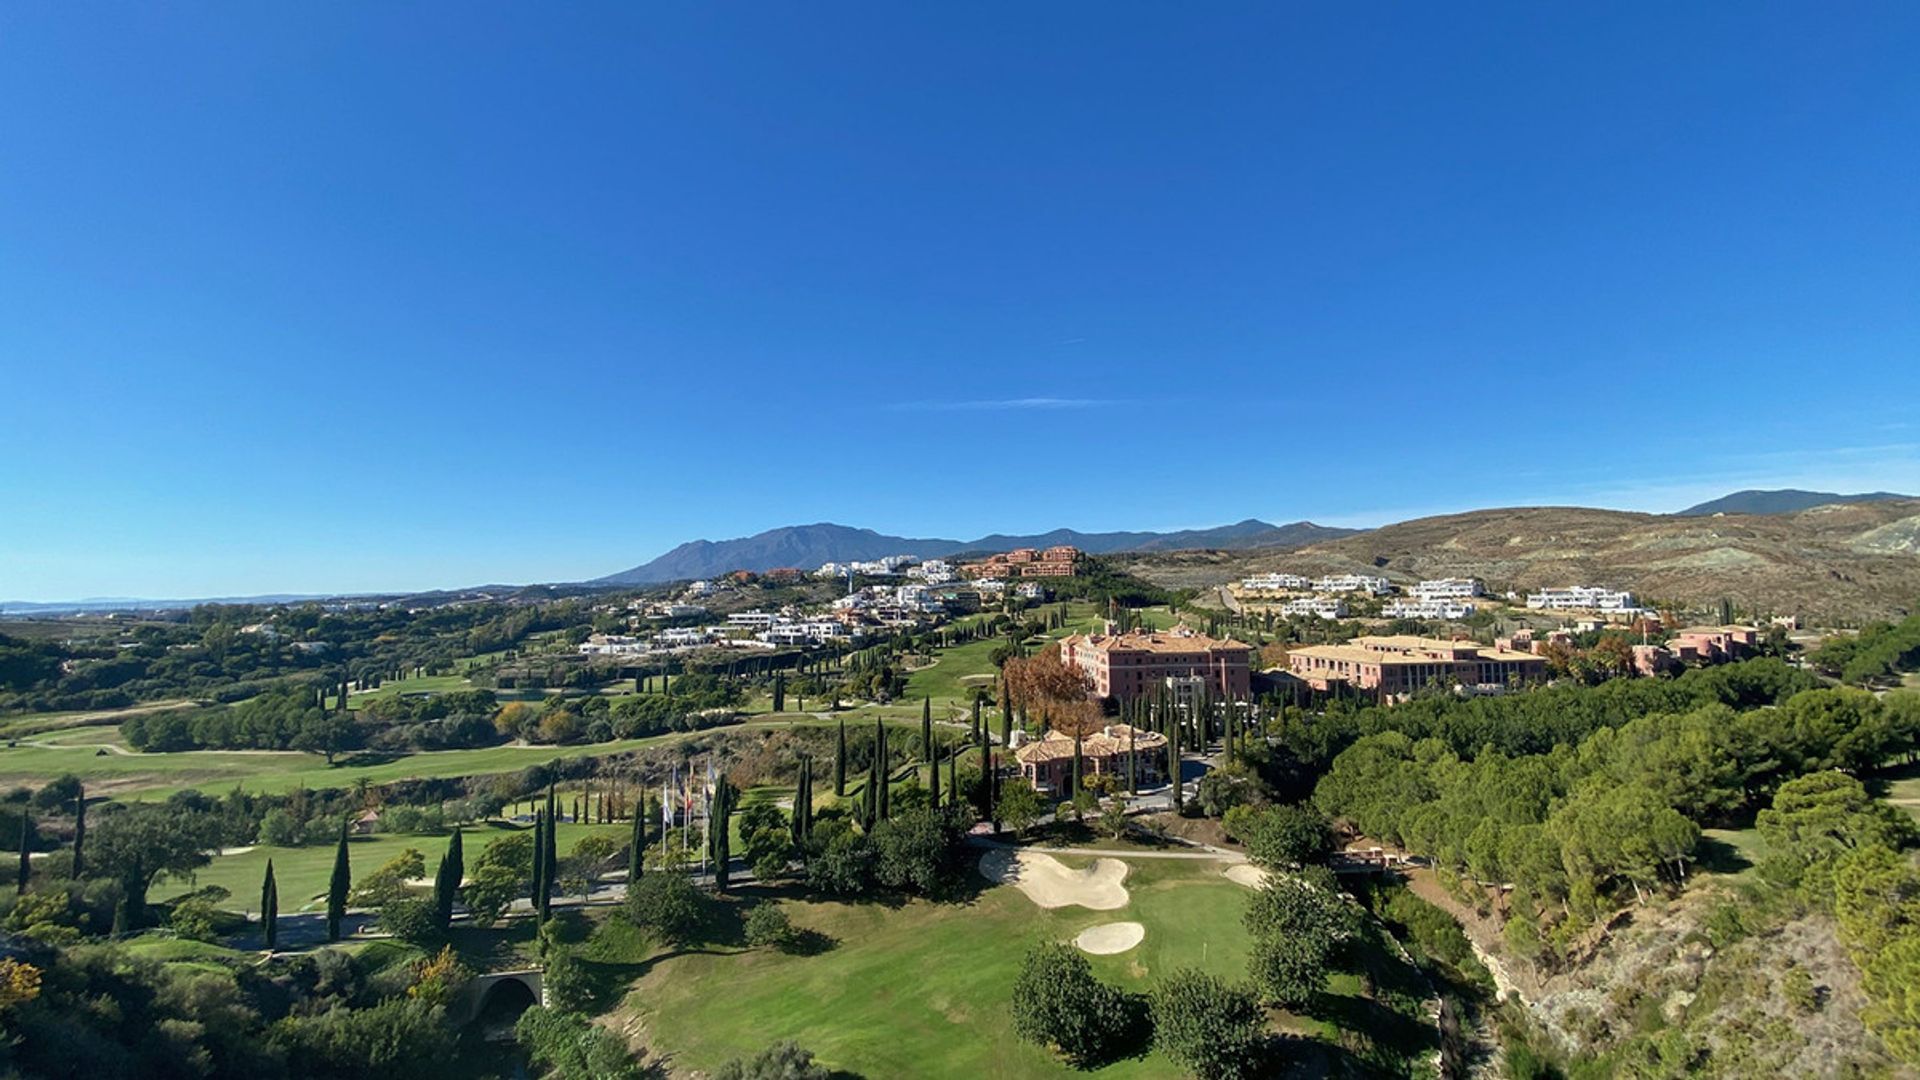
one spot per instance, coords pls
(921, 990)
(302, 872)
(1735, 852)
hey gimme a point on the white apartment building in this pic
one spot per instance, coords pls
(933, 571)
(611, 645)
(1448, 588)
(1581, 598)
(1327, 607)
(701, 588)
(762, 619)
(1424, 608)
(1275, 583)
(678, 611)
(808, 632)
(683, 636)
(1030, 590)
(1337, 583)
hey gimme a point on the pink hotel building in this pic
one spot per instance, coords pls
(1139, 662)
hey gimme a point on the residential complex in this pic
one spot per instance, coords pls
(1047, 762)
(1140, 661)
(1448, 589)
(1397, 666)
(1426, 608)
(1276, 583)
(1058, 561)
(1326, 607)
(1581, 598)
(1337, 583)
(1697, 645)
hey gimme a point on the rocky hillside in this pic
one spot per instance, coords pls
(1837, 563)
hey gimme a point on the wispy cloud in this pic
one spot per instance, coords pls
(1002, 404)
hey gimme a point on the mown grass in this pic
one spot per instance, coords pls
(302, 872)
(921, 989)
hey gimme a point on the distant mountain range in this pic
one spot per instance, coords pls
(1782, 501)
(808, 546)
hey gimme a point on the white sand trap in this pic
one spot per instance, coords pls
(1109, 938)
(1246, 874)
(1050, 883)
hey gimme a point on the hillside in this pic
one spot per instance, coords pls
(1834, 563)
(808, 546)
(1781, 501)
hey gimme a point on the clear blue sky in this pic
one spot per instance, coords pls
(375, 296)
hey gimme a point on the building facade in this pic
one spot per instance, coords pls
(1397, 666)
(1581, 598)
(1139, 662)
(1047, 762)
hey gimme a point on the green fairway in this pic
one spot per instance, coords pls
(302, 872)
(921, 989)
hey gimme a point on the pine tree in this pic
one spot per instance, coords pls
(270, 908)
(337, 887)
(80, 835)
(26, 852)
(840, 763)
(446, 883)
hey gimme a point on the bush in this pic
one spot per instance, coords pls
(1058, 1003)
(411, 919)
(568, 986)
(1207, 1026)
(1282, 837)
(400, 1038)
(569, 1047)
(669, 907)
(768, 925)
(781, 1061)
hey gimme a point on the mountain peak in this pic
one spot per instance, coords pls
(1780, 501)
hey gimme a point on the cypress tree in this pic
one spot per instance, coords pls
(933, 784)
(1133, 776)
(550, 863)
(446, 883)
(80, 834)
(978, 731)
(722, 833)
(984, 795)
(337, 887)
(1076, 763)
(637, 852)
(539, 860)
(26, 850)
(926, 728)
(1173, 760)
(886, 780)
(1006, 727)
(270, 908)
(840, 763)
(953, 777)
(779, 691)
(806, 806)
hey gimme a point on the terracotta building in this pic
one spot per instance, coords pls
(1400, 665)
(1059, 561)
(1047, 762)
(1139, 662)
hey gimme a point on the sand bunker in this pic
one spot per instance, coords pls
(1051, 884)
(1109, 938)
(1246, 874)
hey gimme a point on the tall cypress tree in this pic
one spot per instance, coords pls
(1076, 764)
(978, 731)
(779, 691)
(549, 861)
(270, 908)
(840, 763)
(806, 805)
(984, 797)
(722, 833)
(933, 784)
(886, 784)
(26, 852)
(637, 853)
(1173, 760)
(80, 834)
(446, 883)
(953, 777)
(926, 728)
(337, 887)
(1133, 775)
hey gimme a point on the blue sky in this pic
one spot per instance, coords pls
(366, 296)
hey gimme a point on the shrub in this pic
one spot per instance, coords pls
(1058, 1003)
(667, 906)
(768, 925)
(569, 1047)
(411, 919)
(781, 1061)
(1207, 1026)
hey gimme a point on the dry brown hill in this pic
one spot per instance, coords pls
(1833, 564)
